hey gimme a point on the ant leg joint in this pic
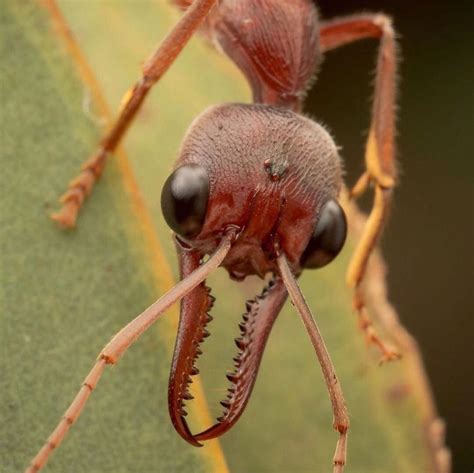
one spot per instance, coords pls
(340, 454)
(385, 23)
(365, 324)
(69, 420)
(85, 180)
(341, 426)
(73, 195)
(52, 445)
(233, 232)
(95, 164)
(88, 385)
(108, 359)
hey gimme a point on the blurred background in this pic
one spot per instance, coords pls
(428, 243)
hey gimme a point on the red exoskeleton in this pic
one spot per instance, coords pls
(256, 188)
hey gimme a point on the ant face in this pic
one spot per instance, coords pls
(273, 174)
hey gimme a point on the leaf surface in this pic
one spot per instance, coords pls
(287, 426)
(64, 294)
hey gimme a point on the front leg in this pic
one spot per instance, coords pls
(120, 343)
(153, 69)
(341, 418)
(380, 149)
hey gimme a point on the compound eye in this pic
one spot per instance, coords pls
(328, 237)
(184, 199)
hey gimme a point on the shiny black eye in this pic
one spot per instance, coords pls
(328, 237)
(184, 199)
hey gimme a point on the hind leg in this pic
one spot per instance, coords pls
(379, 156)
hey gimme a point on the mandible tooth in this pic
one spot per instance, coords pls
(232, 377)
(225, 404)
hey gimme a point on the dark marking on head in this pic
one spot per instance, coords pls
(275, 169)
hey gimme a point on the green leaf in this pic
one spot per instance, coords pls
(64, 294)
(67, 293)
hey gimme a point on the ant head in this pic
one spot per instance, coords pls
(268, 171)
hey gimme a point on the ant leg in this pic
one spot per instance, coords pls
(375, 293)
(379, 156)
(341, 418)
(153, 70)
(111, 353)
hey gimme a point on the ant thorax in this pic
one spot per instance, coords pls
(270, 171)
(274, 43)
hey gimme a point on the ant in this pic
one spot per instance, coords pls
(255, 189)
